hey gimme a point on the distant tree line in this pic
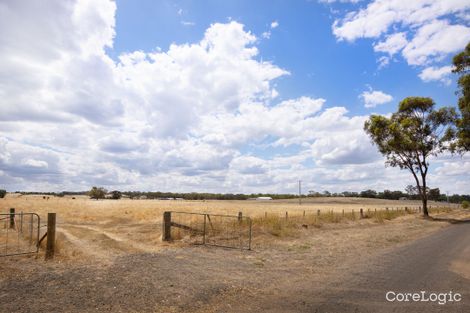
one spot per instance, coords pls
(204, 195)
(410, 193)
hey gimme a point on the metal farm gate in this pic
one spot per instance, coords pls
(229, 231)
(19, 233)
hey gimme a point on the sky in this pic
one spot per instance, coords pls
(219, 96)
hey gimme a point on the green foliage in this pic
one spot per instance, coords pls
(465, 204)
(3, 192)
(369, 194)
(116, 195)
(97, 193)
(434, 194)
(411, 135)
(461, 64)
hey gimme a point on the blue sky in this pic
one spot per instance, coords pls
(222, 96)
(303, 43)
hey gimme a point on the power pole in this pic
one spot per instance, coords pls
(300, 192)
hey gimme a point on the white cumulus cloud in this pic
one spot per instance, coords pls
(436, 74)
(372, 98)
(190, 117)
(424, 31)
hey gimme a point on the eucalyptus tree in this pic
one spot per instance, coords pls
(461, 64)
(410, 136)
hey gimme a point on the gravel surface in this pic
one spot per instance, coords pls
(439, 263)
(339, 268)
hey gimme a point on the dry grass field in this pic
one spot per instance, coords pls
(111, 257)
(103, 229)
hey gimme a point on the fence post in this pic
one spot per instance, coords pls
(166, 231)
(343, 212)
(304, 213)
(21, 222)
(419, 209)
(31, 229)
(287, 215)
(12, 217)
(250, 235)
(50, 245)
(240, 216)
(265, 215)
(361, 213)
(204, 231)
(318, 212)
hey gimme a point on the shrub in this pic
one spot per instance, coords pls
(465, 204)
(3, 192)
(97, 193)
(116, 195)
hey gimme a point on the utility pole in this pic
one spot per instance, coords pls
(300, 192)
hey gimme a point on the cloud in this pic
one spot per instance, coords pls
(372, 98)
(197, 116)
(436, 74)
(342, 1)
(434, 41)
(187, 23)
(424, 31)
(379, 16)
(393, 44)
(383, 61)
(267, 34)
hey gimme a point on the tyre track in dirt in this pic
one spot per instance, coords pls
(98, 243)
(140, 247)
(84, 246)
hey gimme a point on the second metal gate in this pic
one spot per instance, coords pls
(230, 231)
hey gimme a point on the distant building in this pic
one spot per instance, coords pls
(264, 198)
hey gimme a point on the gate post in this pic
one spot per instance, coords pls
(240, 216)
(166, 231)
(50, 245)
(204, 231)
(12, 217)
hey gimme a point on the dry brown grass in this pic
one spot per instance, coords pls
(83, 209)
(106, 228)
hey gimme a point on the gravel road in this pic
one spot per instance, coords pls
(342, 269)
(439, 263)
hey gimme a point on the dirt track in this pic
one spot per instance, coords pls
(289, 275)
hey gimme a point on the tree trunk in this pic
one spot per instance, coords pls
(425, 207)
(424, 197)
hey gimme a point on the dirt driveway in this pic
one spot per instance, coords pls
(292, 274)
